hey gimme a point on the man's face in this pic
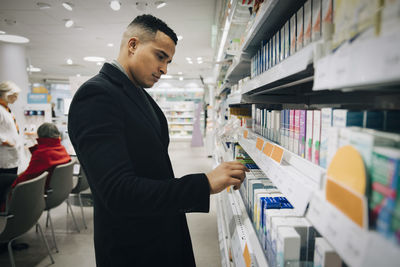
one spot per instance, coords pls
(150, 59)
(12, 98)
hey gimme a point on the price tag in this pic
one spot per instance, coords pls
(246, 256)
(316, 213)
(259, 143)
(277, 154)
(268, 149)
(245, 134)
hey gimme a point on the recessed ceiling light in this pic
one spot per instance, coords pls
(188, 58)
(94, 59)
(69, 23)
(180, 73)
(33, 69)
(166, 76)
(199, 58)
(69, 61)
(160, 4)
(99, 63)
(78, 75)
(68, 6)
(110, 44)
(190, 62)
(180, 37)
(199, 62)
(43, 5)
(115, 5)
(13, 39)
(181, 78)
(2, 32)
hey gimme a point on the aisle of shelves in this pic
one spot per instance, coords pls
(333, 71)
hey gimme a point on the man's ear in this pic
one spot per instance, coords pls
(132, 44)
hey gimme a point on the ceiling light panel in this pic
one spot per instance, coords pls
(41, 5)
(115, 5)
(94, 59)
(160, 4)
(9, 38)
(69, 23)
(68, 6)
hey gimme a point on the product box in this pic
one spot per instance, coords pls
(282, 128)
(287, 128)
(307, 22)
(277, 126)
(282, 44)
(385, 176)
(347, 118)
(327, 19)
(287, 246)
(286, 50)
(316, 136)
(390, 17)
(309, 134)
(302, 135)
(296, 132)
(325, 255)
(392, 120)
(270, 65)
(326, 124)
(373, 120)
(269, 124)
(292, 122)
(293, 34)
(274, 50)
(333, 143)
(316, 20)
(368, 17)
(268, 215)
(300, 29)
(257, 208)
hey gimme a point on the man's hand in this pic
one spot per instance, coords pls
(7, 143)
(226, 174)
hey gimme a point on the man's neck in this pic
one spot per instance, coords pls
(127, 72)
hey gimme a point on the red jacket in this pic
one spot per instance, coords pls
(47, 154)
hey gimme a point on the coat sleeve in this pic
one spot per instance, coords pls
(96, 129)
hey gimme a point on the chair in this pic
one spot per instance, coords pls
(81, 186)
(23, 211)
(59, 189)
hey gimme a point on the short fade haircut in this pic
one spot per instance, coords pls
(48, 130)
(146, 26)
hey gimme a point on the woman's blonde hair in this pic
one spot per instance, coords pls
(8, 88)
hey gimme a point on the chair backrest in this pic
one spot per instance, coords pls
(82, 184)
(25, 206)
(60, 185)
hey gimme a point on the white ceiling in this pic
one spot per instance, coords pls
(51, 43)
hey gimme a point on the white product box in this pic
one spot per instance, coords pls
(325, 255)
(307, 22)
(282, 44)
(292, 121)
(287, 246)
(269, 123)
(326, 124)
(316, 20)
(296, 131)
(316, 136)
(273, 50)
(333, 144)
(287, 40)
(309, 134)
(268, 215)
(293, 34)
(300, 29)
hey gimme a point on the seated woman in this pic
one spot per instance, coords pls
(46, 155)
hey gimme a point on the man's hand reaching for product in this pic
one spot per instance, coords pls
(226, 174)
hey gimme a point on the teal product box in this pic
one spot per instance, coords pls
(392, 121)
(373, 120)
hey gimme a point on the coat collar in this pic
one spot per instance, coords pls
(133, 93)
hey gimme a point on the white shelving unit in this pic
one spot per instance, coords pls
(178, 114)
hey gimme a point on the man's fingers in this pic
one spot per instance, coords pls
(235, 165)
(237, 174)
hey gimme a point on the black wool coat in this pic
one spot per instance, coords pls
(139, 205)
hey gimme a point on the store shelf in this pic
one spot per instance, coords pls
(180, 117)
(356, 246)
(223, 236)
(234, 99)
(361, 64)
(224, 88)
(295, 177)
(239, 69)
(179, 110)
(235, 216)
(295, 68)
(272, 15)
(178, 138)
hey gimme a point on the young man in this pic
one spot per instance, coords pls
(120, 136)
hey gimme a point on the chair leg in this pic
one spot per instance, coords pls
(52, 230)
(72, 214)
(47, 218)
(83, 214)
(10, 253)
(45, 242)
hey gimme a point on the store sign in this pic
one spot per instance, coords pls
(37, 98)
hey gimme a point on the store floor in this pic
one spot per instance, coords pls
(76, 249)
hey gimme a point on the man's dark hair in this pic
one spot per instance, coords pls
(48, 130)
(152, 25)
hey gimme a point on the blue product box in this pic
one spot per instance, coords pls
(373, 120)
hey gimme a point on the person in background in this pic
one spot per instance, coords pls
(10, 143)
(53, 112)
(120, 136)
(46, 155)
